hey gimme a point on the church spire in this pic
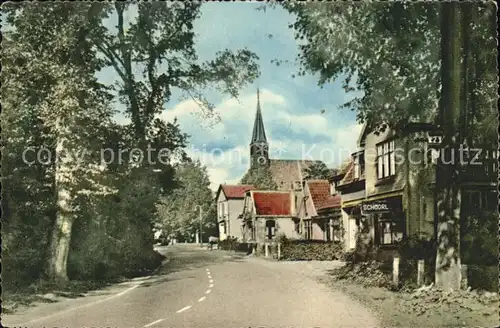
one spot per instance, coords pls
(259, 134)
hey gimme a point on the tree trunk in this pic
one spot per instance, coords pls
(448, 266)
(61, 234)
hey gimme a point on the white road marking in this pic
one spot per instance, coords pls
(184, 309)
(92, 303)
(201, 299)
(153, 323)
(207, 270)
(211, 285)
(208, 291)
(211, 281)
(209, 277)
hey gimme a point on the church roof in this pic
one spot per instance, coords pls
(319, 190)
(272, 202)
(288, 170)
(259, 134)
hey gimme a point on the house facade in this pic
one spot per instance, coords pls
(230, 200)
(268, 214)
(320, 212)
(387, 189)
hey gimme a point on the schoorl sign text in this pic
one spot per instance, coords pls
(388, 205)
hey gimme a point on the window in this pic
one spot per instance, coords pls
(386, 163)
(221, 210)
(327, 230)
(490, 200)
(308, 228)
(332, 188)
(390, 231)
(297, 227)
(270, 229)
(223, 227)
(359, 165)
(474, 201)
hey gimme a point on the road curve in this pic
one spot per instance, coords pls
(200, 288)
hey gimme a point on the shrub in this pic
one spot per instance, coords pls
(483, 277)
(479, 244)
(414, 248)
(307, 250)
(228, 244)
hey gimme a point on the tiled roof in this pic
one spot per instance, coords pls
(272, 203)
(288, 170)
(319, 190)
(349, 174)
(236, 191)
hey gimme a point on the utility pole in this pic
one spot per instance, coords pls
(201, 224)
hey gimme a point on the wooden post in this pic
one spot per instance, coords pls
(420, 273)
(266, 245)
(279, 251)
(464, 283)
(395, 271)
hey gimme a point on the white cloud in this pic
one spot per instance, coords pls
(235, 129)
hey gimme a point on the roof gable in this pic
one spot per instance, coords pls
(319, 191)
(234, 191)
(272, 203)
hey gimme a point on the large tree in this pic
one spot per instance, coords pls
(52, 75)
(406, 59)
(53, 52)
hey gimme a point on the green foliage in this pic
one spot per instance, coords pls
(483, 277)
(317, 171)
(307, 250)
(480, 239)
(260, 176)
(177, 213)
(51, 97)
(389, 55)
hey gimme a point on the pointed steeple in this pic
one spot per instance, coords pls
(259, 134)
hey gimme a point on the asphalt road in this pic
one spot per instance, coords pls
(200, 288)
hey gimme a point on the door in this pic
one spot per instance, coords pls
(353, 229)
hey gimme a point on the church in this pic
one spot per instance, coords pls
(288, 174)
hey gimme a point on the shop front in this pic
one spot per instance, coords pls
(389, 221)
(353, 215)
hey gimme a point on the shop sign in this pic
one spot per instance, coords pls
(391, 205)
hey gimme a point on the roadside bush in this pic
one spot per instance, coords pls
(367, 274)
(479, 245)
(483, 277)
(412, 249)
(228, 244)
(307, 250)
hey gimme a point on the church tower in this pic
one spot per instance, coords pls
(259, 148)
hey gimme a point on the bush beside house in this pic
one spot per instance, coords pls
(309, 250)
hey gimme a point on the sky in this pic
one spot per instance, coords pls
(302, 120)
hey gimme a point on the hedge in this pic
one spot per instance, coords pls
(310, 250)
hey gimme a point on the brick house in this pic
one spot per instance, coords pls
(268, 214)
(384, 188)
(320, 212)
(230, 201)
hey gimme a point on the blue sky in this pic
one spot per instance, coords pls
(295, 124)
